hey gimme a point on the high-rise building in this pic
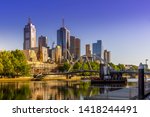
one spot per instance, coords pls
(52, 54)
(42, 54)
(58, 54)
(72, 45)
(107, 56)
(42, 41)
(97, 48)
(29, 36)
(43, 49)
(63, 40)
(75, 47)
(88, 50)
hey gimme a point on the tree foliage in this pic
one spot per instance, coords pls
(78, 66)
(13, 63)
(114, 67)
(64, 67)
(121, 67)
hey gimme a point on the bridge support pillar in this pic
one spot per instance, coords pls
(67, 76)
(141, 81)
(101, 73)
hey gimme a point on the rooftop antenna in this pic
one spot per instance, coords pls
(63, 23)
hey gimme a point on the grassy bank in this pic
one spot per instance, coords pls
(15, 79)
(47, 78)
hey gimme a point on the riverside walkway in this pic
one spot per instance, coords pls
(127, 93)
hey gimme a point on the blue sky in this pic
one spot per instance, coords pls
(122, 25)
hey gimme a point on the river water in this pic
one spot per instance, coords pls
(54, 90)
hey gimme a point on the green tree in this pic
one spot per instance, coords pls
(95, 65)
(86, 67)
(8, 68)
(134, 67)
(64, 67)
(13, 63)
(19, 61)
(77, 66)
(1, 66)
(121, 67)
(115, 67)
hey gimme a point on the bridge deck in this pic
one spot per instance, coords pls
(121, 94)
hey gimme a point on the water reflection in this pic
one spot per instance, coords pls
(52, 90)
(14, 92)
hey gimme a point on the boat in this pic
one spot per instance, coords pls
(37, 77)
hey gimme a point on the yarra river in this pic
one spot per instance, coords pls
(55, 90)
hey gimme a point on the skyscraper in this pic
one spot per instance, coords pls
(97, 48)
(72, 45)
(88, 50)
(42, 41)
(107, 56)
(63, 40)
(29, 36)
(75, 47)
(58, 54)
(42, 49)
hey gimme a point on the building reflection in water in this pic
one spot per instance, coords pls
(52, 90)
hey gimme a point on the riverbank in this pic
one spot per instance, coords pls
(47, 78)
(15, 79)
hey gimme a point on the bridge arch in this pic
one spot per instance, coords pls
(68, 55)
(86, 57)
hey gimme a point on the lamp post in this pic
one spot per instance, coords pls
(146, 67)
(146, 63)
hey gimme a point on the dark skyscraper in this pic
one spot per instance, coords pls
(63, 40)
(75, 47)
(97, 48)
(42, 41)
(72, 45)
(29, 36)
(88, 50)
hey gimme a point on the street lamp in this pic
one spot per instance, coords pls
(146, 63)
(146, 66)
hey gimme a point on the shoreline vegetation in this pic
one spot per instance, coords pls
(47, 78)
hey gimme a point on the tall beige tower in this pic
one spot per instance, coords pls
(58, 54)
(29, 36)
(107, 56)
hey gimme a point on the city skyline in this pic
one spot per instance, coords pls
(123, 26)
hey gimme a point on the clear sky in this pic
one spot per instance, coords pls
(122, 25)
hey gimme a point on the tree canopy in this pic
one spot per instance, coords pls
(13, 63)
